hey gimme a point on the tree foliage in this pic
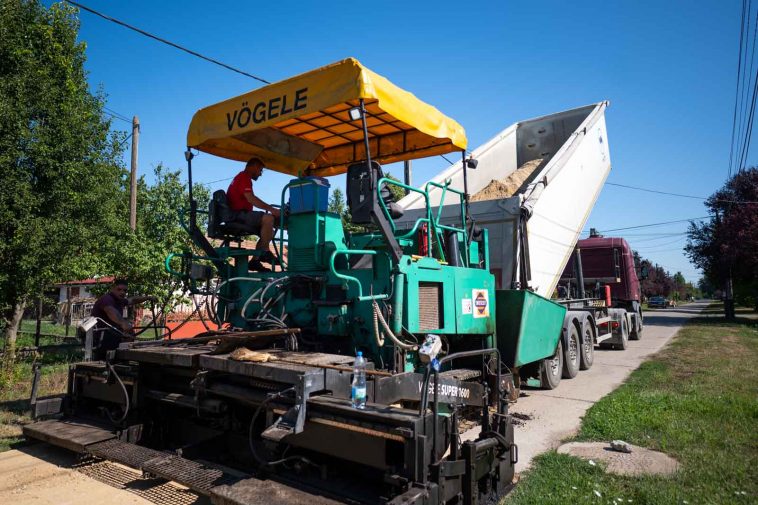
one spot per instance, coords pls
(728, 242)
(139, 256)
(659, 282)
(61, 197)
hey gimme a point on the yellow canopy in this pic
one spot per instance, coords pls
(301, 125)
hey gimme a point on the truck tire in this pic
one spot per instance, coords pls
(571, 353)
(552, 368)
(587, 355)
(624, 334)
(636, 333)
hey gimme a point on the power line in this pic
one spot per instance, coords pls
(116, 116)
(218, 180)
(742, 86)
(677, 194)
(655, 224)
(737, 91)
(653, 246)
(664, 250)
(172, 44)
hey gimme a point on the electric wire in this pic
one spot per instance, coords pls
(667, 193)
(655, 224)
(737, 90)
(115, 114)
(167, 42)
(742, 86)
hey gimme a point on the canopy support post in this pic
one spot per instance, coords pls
(376, 212)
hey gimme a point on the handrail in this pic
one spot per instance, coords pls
(446, 187)
(385, 180)
(169, 270)
(350, 278)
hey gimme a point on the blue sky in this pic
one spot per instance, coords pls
(668, 69)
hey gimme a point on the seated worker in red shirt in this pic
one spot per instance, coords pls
(109, 309)
(242, 200)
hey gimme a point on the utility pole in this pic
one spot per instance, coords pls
(133, 179)
(729, 286)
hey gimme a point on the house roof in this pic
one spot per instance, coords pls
(88, 282)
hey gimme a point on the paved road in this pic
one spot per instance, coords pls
(557, 414)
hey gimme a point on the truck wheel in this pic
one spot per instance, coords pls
(587, 356)
(571, 353)
(636, 331)
(624, 336)
(551, 369)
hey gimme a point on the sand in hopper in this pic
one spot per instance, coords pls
(503, 188)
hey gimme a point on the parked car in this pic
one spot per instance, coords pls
(657, 302)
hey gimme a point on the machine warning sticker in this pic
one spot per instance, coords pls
(467, 306)
(481, 303)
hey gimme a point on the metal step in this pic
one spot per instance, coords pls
(200, 477)
(74, 435)
(125, 453)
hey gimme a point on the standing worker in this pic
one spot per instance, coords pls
(242, 200)
(109, 309)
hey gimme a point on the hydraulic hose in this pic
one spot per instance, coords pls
(258, 458)
(126, 397)
(379, 319)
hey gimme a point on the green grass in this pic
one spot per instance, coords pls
(15, 389)
(46, 328)
(697, 400)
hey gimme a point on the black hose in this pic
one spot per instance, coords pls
(260, 460)
(126, 397)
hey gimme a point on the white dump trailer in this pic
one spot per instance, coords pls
(533, 189)
(555, 200)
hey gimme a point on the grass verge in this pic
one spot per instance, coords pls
(697, 400)
(15, 389)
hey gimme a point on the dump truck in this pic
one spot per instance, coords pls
(603, 266)
(533, 188)
(259, 408)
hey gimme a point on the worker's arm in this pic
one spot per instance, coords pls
(118, 319)
(134, 300)
(257, 202)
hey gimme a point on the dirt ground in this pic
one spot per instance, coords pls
(40, 474)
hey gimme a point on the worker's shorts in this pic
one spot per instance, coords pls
(251, 219)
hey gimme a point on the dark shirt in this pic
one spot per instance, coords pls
(235, 195)
(108, 300)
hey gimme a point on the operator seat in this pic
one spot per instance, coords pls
(360, 198)
(221, 223)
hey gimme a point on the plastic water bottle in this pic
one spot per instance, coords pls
(358, 390)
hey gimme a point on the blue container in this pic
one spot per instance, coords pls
(305, 191)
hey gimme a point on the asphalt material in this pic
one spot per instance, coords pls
(557, 414)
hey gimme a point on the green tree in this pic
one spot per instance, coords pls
(725, 246)
(139, 257)
(62, 193)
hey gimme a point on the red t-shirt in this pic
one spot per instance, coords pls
(235, 195)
